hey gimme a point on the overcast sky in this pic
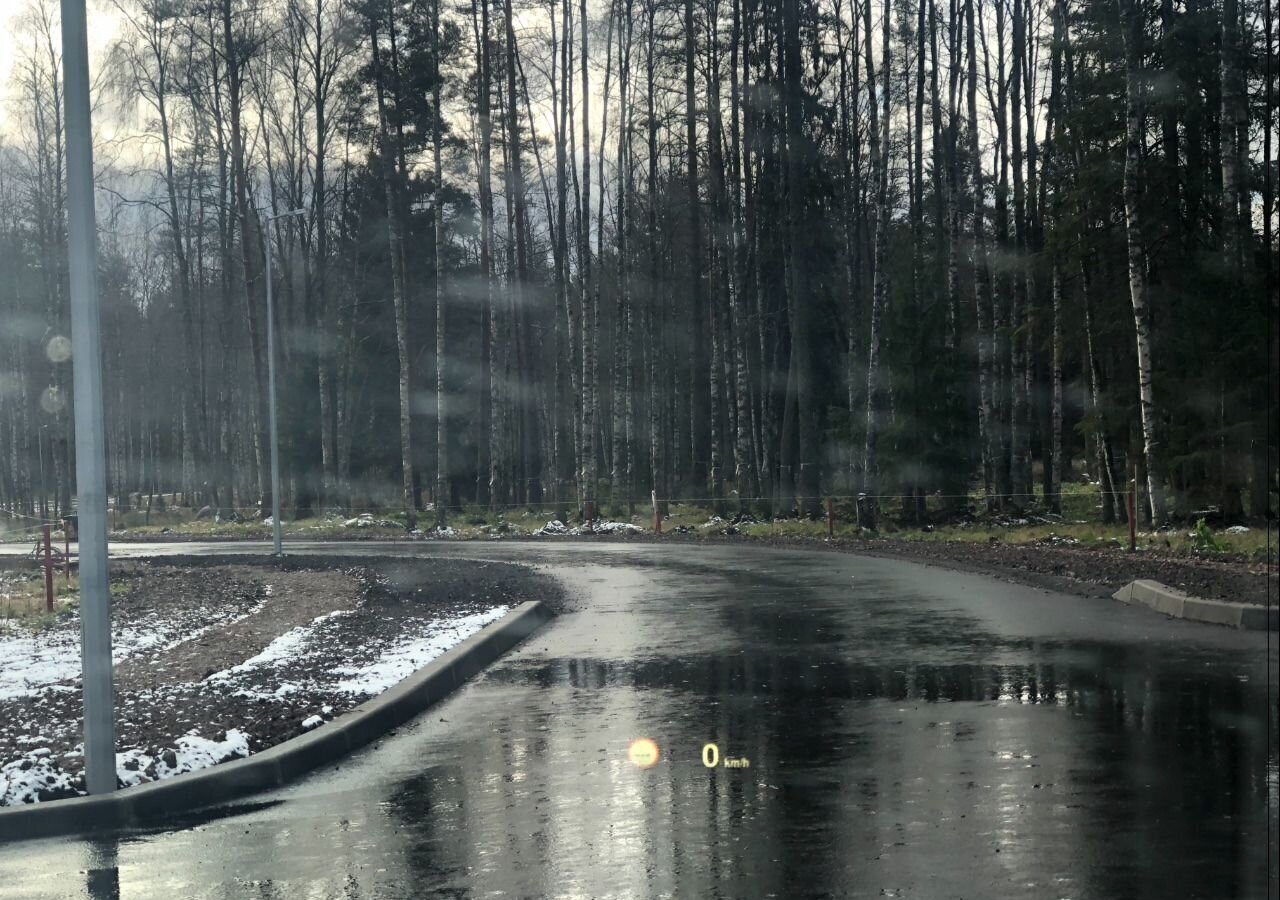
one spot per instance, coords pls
(103, 19)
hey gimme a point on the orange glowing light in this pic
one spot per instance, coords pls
(643, 753)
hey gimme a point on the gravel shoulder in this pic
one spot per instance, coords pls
(219, 659)
(1070, 570)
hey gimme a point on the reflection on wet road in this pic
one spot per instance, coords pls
(907, 732)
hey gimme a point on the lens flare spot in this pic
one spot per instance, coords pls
(52, 400)
(58, 349)
(643, 753)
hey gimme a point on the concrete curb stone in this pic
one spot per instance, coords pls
(1179, 605)
(285, 761)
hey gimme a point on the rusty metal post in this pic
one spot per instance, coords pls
(831, 518)
(1133, 527)
(48, 567)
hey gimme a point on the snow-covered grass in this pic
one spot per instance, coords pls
(403, 658)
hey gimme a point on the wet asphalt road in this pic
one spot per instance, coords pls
(911, 732)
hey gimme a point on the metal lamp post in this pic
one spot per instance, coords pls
(91, 444)
(271, 390)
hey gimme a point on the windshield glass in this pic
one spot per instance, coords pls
(639, 448)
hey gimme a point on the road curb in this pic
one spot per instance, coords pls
(1179, 605)
(285, 761)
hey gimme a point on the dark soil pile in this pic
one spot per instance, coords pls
(216, 690)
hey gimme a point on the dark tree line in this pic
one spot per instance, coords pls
(753, 252)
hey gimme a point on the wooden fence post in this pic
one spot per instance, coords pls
(48, 567)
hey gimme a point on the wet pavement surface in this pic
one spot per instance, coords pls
(908, 732)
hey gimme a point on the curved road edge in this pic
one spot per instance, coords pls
(285, 761)
(1180, 605)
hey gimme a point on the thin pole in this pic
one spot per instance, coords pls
(91, 457)
(271, 403)
(1132, 513)
(48, 569)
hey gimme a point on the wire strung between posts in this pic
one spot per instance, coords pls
(823, 497)
(18, 515)
(391, 509)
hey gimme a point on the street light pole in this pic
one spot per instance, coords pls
(276, 528)
(91, 456)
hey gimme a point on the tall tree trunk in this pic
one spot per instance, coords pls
(1001, 333)
(322, 77)
(526, 395)
(443, 486)
(492, 461)
(880, 280)
(1020, 424)
(250, 247)
(799, 158)
(1052, 169)
(587, 455)
(745, 465)
(1131, 16)
(562, 453)
(981, 284)
(1265, 473)
(623, 474)
(1107, 485)
(723, 415)
(395, 242)
(657, 440)
(1237, 237)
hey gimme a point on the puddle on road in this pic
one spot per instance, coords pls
(895, 744)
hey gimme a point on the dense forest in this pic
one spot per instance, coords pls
(578, 255)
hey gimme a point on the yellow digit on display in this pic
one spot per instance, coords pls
(710, 756)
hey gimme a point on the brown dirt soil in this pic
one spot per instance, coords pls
(292, 600)
(164, 694)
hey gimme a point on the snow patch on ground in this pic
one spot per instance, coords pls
(33, 663)
(42, 661)
(402, 659)
(366, 520)
(600, 526)
(135, 766)
(28, 776)
(606, 527)
(314, 663)
(287, 646)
